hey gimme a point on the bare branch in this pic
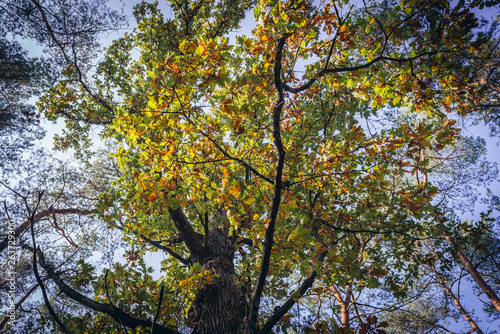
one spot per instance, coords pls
(42, 214)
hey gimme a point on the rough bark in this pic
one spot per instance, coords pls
(216, 307)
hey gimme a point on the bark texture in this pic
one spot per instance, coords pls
(216, 307)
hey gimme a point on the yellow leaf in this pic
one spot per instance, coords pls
(152, 104)
(235, 191)
(293, 235)
(248, 43)
(290, 205)
(249, 200)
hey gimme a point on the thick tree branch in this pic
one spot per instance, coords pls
(278, 185)
(279, 313)
(188, 234)
(117, 314)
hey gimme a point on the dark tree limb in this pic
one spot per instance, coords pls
(378, 59)
(158, 245)
(160, 300)
(278, 186)
(115, 313)
(280, 312)
(188, 234)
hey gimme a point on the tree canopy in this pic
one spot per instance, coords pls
(282, 172)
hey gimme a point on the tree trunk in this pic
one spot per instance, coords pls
(456, 301)
(485, 288)
(344, 305)
(217, 306)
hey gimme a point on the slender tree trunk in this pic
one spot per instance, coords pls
(485, 288)
(456, 301)
(344, 306)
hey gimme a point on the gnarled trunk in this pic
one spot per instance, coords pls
(217, 306)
